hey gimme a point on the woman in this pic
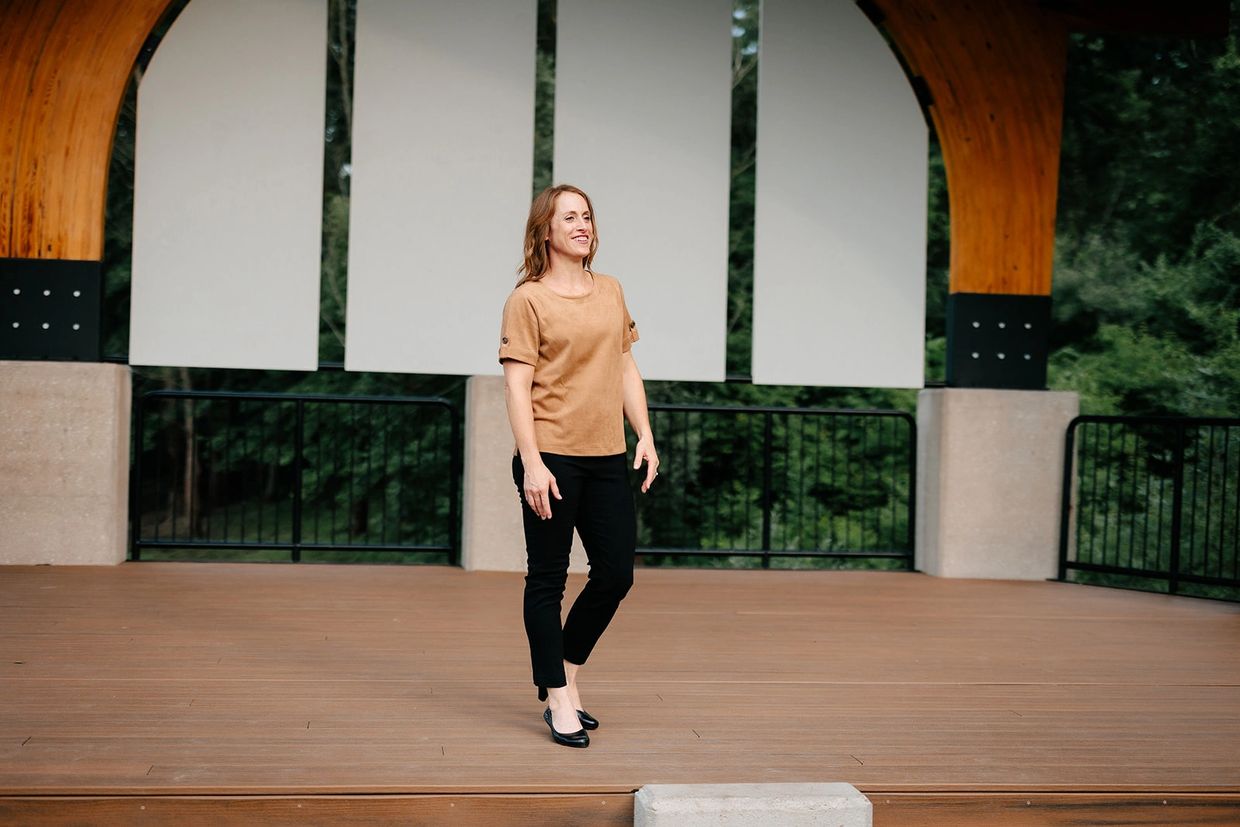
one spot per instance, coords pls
(570, 381)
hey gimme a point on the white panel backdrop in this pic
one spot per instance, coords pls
(840, 225)
(228, 186)
(443, 125)
(643, 124)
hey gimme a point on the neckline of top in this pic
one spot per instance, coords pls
(593, 289)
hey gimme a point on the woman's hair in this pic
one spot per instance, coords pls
(536, 229)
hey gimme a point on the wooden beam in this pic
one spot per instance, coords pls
(995, 72)
(64, 74)
(1037, 809)
(1187, 18)
(463, 810)
(24, 27)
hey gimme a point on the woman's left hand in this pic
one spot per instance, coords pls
(645, 450)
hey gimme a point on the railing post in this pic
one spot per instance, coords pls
(298, 443)
(1065, 507)
(910, 559)
(135, 478)
(767, 462)
(1177, 506)
(454, 490)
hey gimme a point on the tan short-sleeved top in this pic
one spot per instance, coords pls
(576, 345)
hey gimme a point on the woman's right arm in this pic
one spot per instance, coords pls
(539, 481)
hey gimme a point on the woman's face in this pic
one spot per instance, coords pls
(572, 226)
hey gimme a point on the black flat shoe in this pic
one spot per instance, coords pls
(570, 739)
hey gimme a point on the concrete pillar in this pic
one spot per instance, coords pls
(491, 535)
(64, 462)
(990, 481)
(751, 805)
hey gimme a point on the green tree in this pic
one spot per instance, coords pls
(1147, 264)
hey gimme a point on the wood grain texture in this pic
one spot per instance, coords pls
(996, 74)
(181, 679)
(70, 64)
(1042, 810)
(413, 811)
(24, 27)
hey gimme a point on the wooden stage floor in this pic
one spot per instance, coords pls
(150, 690)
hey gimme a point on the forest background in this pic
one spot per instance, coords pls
(1146, 291)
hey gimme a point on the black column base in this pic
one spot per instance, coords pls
(50, 309)
(997, 340)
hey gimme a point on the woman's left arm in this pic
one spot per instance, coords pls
(639, 418)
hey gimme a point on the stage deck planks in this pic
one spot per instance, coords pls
(234, 680)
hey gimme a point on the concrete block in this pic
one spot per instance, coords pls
(759, 805)
(64, 462)
(491, 534)
(990, 481)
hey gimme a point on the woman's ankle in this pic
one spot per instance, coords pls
(558, 693)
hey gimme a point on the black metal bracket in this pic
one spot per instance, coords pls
(50, 309)
(997, 340)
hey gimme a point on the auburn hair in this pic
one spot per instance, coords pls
(538, 225)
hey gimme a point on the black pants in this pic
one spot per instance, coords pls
(598, 502)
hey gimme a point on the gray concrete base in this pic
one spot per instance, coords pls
(491, 534)
(64, 462)
(990, 480)
(737, 805)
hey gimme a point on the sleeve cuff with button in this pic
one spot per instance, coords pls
(519, 331)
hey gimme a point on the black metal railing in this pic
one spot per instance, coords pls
(762, 482)
(1155, 502)
(223, 474)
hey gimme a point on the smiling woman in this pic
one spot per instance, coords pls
(570, 381)
(561, 219)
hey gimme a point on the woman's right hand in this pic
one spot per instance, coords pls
(539, 484)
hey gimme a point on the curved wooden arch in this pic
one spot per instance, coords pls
(66, 64)
(995, 72)
(994, 69)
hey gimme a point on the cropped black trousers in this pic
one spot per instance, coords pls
(598, 502)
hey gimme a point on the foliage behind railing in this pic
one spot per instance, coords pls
(314, 474)
(1157, 504)
(763, 483)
